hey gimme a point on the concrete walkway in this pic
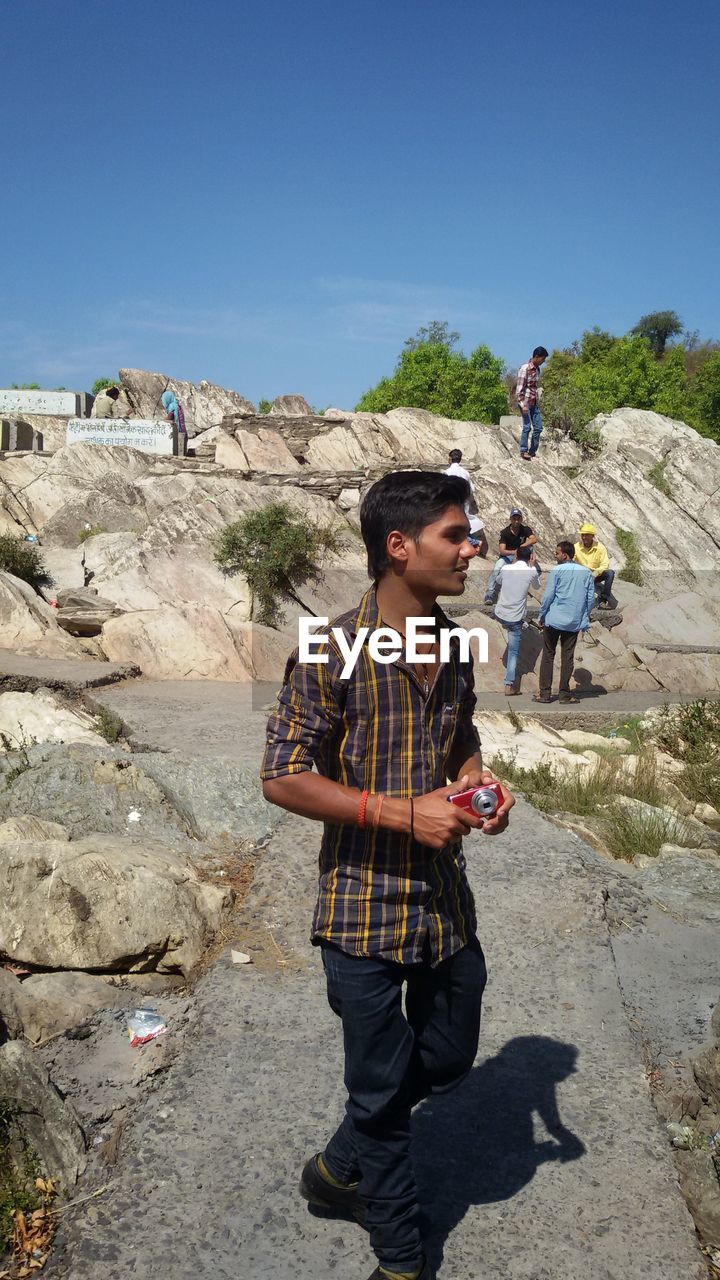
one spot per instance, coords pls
(25, 673)
(549, 1163)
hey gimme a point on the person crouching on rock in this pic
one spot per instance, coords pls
(394, 909)
(174, 411)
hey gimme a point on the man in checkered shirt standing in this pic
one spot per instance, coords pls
(527, 394)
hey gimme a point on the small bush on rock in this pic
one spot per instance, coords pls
(109, 724)
(278, 552)
(19, 1168)
(632, 569)
(23, 560)
(91, 531)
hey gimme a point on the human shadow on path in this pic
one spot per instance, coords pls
(476, 1145)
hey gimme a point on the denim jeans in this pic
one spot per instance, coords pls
(603, 584)
(531, 419)
(514, 636)
(495, 578)
(394, 1059)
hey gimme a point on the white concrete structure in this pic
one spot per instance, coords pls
(58, 404)
(150, 435)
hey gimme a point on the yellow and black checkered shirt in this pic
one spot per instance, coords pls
(381, 893)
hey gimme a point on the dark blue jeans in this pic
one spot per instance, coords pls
(531, 419)
(394, 1059)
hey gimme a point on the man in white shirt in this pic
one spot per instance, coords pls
(477, 537)
(516, 580)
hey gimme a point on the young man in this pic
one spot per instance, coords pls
(594, 556)
(516, 579)
(394, 908)
(528, 397)
(514, 535)
(564, 612)
(477, 536)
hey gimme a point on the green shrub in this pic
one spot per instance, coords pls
(632, 569)
(555, 789)
(627, 833)
(691, 733)
(101, 383)
(656, 476)
(278, 552)
(109, 724)
(431, 375)
(19, 1167)
(91, 531)
(23, 560)
(264, 406)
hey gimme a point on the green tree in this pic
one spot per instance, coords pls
(706, 397)
(101, 383)
(264, 406)
(431, 375)
(673, 396)
(658, 327)
(595, 345)
(23, 560)
(278, 552)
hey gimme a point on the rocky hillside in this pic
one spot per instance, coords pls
(146, 589)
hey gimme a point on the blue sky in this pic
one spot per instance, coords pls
(275, 195)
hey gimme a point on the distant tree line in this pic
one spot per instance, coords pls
(657, 365)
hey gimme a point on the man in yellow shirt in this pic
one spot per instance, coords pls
(593, 555)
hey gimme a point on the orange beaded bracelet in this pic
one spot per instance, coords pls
(362, 809)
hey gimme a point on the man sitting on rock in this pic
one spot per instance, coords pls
(593, 555)
(514, 535)
(105, 403)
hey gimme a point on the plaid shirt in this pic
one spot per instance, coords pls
(381, 893)
(526, 391)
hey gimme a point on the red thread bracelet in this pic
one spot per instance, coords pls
(362, 808)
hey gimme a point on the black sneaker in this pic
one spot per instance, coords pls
(427, 1273)
(321, 1194)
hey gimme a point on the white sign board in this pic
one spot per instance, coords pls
(57, 404)
(150, 435)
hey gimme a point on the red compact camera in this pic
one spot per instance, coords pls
(482, 801)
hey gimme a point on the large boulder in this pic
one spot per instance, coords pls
(197, 643)
(86, 789)
(105, 904)
(48, 1122)
(291, 407)
(28, 624)
(82, 611)
(204, 404)
(29, 718)
(46, 1004)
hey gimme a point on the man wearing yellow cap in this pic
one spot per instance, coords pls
(593, 555)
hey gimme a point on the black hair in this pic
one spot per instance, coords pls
(540, 351)
(524, 553)
(455, 455)
(568, 548)
(407, 501)
(113, 392)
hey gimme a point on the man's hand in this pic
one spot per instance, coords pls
(481, 778)
(437, 823)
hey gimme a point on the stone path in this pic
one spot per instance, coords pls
(549, 1163)
(210, 716)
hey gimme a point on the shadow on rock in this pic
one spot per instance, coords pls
(477, 1144)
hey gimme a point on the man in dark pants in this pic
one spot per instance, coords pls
(394, 908)
(564, 612)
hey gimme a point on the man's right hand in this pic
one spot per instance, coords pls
(437, 823)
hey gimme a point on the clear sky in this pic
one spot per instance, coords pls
(274, 195)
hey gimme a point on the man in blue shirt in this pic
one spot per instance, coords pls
(565, 611)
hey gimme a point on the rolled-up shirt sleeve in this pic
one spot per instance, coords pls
(309, 709)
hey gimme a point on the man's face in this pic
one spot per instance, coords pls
(515, 522)
(439, 559)
(587, 540)
(560, 555)
(538, 361)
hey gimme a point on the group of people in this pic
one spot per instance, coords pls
(105, 405)
(582, 578)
